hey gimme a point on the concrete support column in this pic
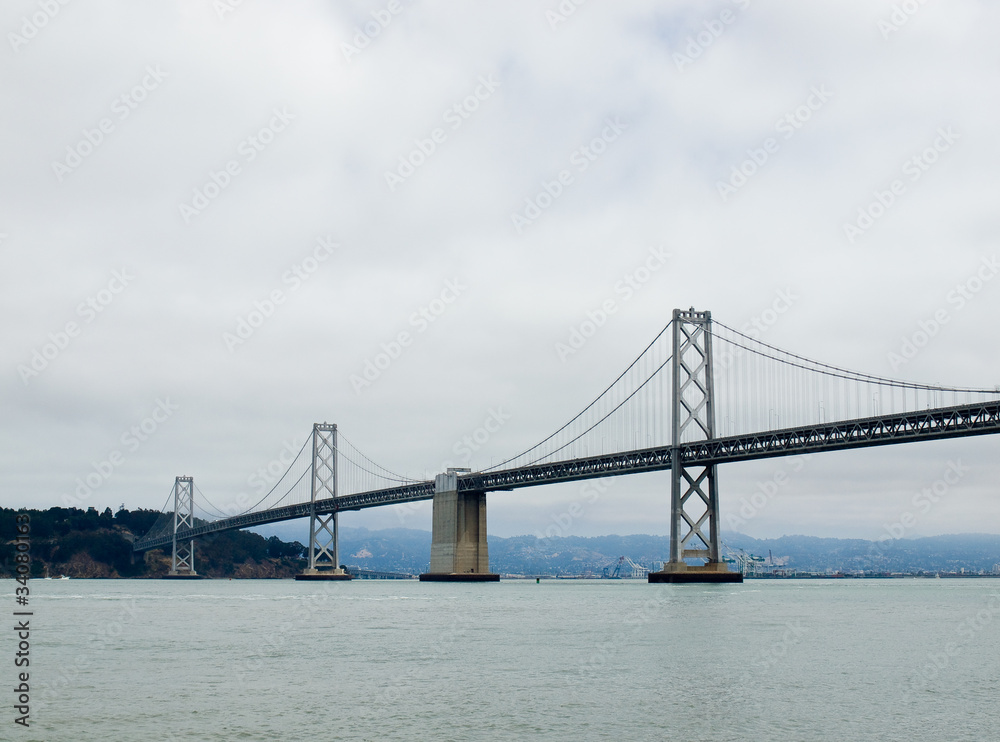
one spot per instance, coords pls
(459, 552)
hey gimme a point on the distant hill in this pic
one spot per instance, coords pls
(974, 552)
(81, 543)
(409, 550)
(78, 543)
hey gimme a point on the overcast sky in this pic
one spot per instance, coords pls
(215, 215)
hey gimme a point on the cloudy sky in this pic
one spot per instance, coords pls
(214, 216)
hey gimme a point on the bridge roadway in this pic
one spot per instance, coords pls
(935, 424)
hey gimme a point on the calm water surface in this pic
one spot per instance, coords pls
(561, 660)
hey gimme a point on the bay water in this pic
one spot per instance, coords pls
(906, 659)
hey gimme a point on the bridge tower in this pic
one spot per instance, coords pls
(182, 562)
(324, 550)
(458, 534)
(694, 495)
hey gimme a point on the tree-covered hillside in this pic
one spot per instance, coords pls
(78, 543)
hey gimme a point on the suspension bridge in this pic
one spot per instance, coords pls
(701, 394)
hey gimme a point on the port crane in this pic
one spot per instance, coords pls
(625, 568)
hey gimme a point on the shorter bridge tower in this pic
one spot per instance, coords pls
(324, 550)
(458, 539)
(694, 494)
(182, 561)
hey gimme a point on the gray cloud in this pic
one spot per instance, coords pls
(352, 117)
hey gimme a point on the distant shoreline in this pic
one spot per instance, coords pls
(561, 578)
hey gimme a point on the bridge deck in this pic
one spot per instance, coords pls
(934, 424)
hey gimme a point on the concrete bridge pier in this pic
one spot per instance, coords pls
(458, 540)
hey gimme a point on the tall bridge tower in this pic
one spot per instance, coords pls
(324, 551)
(694, 494)
(182, 559)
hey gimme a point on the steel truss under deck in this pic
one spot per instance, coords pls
(936, 424)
